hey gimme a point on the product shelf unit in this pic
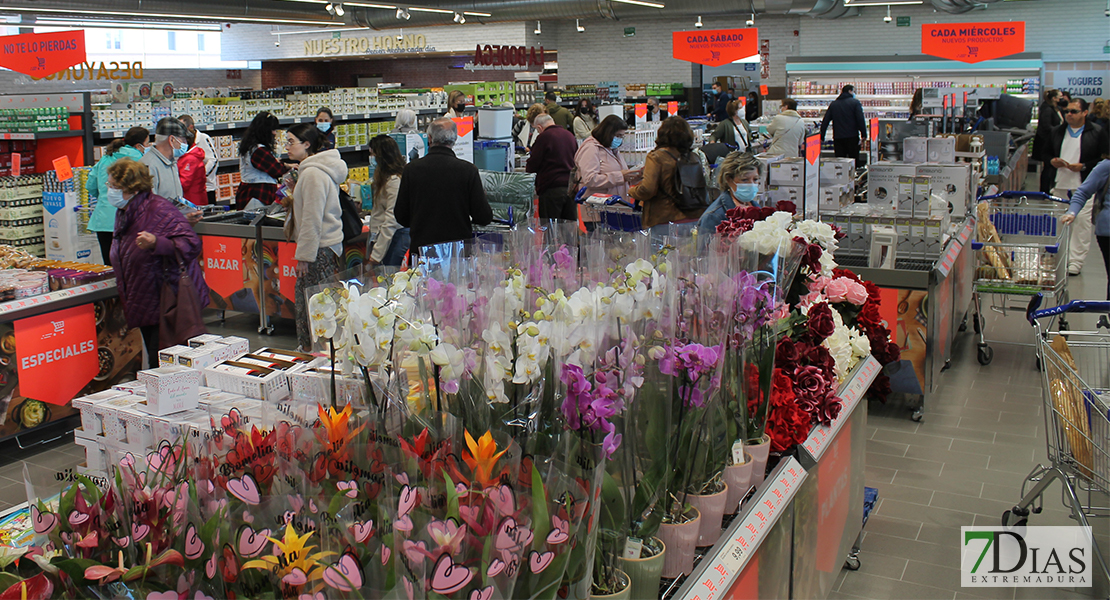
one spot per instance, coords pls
(76, 142)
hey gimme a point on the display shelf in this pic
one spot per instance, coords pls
(14, 310)
(858, 96)
(375, 116)
(721, 566)
(850, 394)
(42, 135)
(232, 162)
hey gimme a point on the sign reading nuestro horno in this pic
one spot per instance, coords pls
(382, 44)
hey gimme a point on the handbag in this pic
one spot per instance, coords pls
(180, 318)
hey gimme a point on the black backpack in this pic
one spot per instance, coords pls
(352, 222)
(689, 182)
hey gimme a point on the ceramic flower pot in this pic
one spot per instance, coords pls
(679, 541)
(738, 478)
(759, 454)
(644, 574)
(625, 593)
(712, 509)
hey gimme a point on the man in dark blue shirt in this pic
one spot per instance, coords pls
(849, 126)
(721, 98)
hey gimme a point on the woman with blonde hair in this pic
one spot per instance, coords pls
(738, 179)
(1100, 113)
(526, 127)
(456, 104)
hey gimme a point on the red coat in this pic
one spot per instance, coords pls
(193, 177)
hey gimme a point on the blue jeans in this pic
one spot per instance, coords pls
(398, 246)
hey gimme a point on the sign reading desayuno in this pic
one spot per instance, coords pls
(716, 47)
(90, 71)
(973, 42)
(382, 44)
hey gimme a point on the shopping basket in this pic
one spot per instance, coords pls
(613, 212)
(1076, 391)
(1021, 249)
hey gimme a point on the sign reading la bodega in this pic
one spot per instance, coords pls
(505, 58)
(715, 47)
(973, 42)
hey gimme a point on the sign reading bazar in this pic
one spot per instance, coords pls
(973, 42)
(39, 54)
(715, 47)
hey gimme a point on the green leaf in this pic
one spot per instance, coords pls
(541, 521)
(75, 568)
(452, 498)
(7, 580)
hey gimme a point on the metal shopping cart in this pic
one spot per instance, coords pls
(1076, 376)
(612, 212)
(1021, 249)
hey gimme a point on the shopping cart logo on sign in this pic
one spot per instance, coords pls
(1047, 557)
(714, 55)
(59, 329)
(972, 51)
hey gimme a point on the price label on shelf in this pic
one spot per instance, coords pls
(746, 534)
(52, 296)
(62, 168)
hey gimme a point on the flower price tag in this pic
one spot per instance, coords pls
(738, 452)
(633, 547)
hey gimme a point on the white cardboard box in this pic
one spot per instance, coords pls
(788, 193)
(168, 356)
(921, 197)
(790, 171)
(260, 383)
(904, 208)
(882, 182)
(238, 345)
(171, 389)
(114, 429)
(950, 182)
(915, 150)
(138, 426)
(91, 421)
(837, 171)
(201, 340)
(942, 150)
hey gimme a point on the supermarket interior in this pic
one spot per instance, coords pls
(623, 299)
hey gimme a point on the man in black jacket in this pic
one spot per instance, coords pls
(1077, 146)
(849, 126)
(720, 100)
(1048, 118)
(440, 195)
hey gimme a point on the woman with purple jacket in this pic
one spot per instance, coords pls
(149, 233)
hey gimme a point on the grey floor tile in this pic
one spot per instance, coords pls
(908, 511)
(881, 565)
(971, 504)
(913, 439)
(945, 456)
(899, 463)
(870, 586)
(1025, 451)
(889, 448)
(949, 579)
(890, 526)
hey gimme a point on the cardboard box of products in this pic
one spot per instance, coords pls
(915, 150)
(788, 193)
(250, 380)
(952, 183)
(921, 197)
(837, 171)
(168, 356)
(171, 389)
(882, 182)
(788, 172)
(904, 206)
(942, 150)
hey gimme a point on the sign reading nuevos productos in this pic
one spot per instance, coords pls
(715, 47)
(973, 42)
(40, 54)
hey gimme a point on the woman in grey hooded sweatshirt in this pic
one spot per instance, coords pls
(315, 221)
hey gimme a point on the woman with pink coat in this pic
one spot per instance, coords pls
(598, 162)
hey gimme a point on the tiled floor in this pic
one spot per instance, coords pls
(983, 432)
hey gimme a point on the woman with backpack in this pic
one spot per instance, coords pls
(674, 189)
(315, 220)
(259, 170)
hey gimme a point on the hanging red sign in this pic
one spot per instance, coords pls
(287, 275)
(813, 148)
(715, 48)
(41, 54)
(222, 260)
(973, 42)
(63, 341)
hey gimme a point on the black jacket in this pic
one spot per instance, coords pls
(1047, 120)
(846, 114)
(720, 106)
(440, 196)
(1092, 146)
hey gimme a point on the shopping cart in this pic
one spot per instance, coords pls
(1021, 249)
(612, 212)
(1076, 376)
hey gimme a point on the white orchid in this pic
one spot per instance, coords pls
(452, 365)
(322, 311)
(417, 335)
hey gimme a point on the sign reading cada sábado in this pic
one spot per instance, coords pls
(973, 42)
(715, 47)
(382, 44)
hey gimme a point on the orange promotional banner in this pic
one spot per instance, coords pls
(17, 158)
(42, 54)
(464, 125)
(874, 128)
(672, 108)
(715, 47)
(222, 259)
(63, 341)
(763, 90)
(287, 275)
(973, 42)
(63, 169)
(641, 111)
(813, 148)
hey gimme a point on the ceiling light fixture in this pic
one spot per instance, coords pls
(698, 24)
(887, 18)
(330, 9)
(642, 3)
(403, 14)
(315, 31)
(206, 18)
(339, 10)
(579, 26)
(459, 18)
(751, 21)
(537, 31)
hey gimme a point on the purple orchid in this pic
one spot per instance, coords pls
(589, 407)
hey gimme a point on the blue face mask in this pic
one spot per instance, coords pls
(324, 126)
(115, 198)
(147, 149)
(373, 163)
(745, 192)
(616, 143)
(178, 152)
(716, 91)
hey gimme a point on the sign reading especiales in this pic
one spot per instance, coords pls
(715, 47)
(973, 42)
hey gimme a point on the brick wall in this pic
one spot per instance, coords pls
(409, 72)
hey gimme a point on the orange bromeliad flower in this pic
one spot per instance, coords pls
(336, 424)
(482, 458)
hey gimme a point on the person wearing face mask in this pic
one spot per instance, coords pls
(388, 240)
(103, 218)
(211, 156)
(849, 126)
(150, 233)
(733, 131)
(599, 166)
(456, 105)
(585, 119)
(653, 114)
(787, 130)
(191, 167)
(259, 170)
(1077, 147)
(1048, 119)
(325, 122)
(720, 101)
(738, 178)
